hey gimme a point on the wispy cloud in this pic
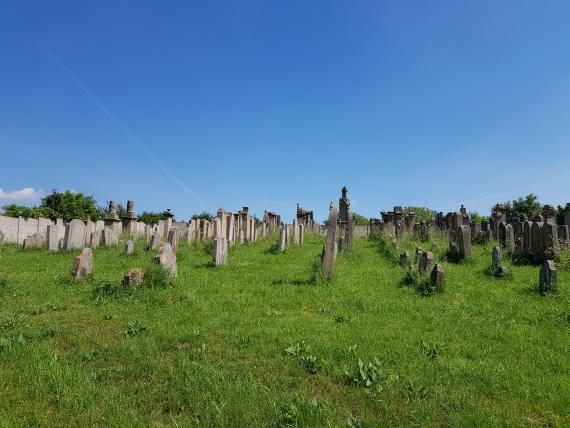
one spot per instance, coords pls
(25, 194)
(121, 126)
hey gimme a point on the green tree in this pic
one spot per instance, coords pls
(476, 217)
(422, 213)
(204, 215)
(360, 220)
(529, 205)
(13, 210)
(149, 217)
(69, 205)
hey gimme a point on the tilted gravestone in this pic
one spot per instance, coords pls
(548, 277)
(74, 235)
(330, 248)
(129, 247)
(220, 250)
(167, 259)
(83, 264)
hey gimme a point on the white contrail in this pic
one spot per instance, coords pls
(117, 122)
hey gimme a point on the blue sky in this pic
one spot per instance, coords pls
(195, 105)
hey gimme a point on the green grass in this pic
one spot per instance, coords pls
(264, 341)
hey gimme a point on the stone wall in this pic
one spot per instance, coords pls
(16, 229)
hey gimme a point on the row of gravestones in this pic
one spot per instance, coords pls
(291, 234)
(77, 235)
(425, 262)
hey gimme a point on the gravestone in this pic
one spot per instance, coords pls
(83, 264)
(129, 219)
(506, 235)
(173, 239)
(404, 259)
(426, 262)
(394, 244)
(537, 244)
(550, 237)
(53, 237)
(454, 250)
(330, 248)
(74, 235)
(527, 239)
(497, 258)
(1, 237)
(419, 252)
(220, 250)
(109, 237)
(301, 234)
(129, 247)
(134, 278)
(155, 240)
(167, 259)
(282, 237)
(464, 241)
(36, 240)
(548, 277)
(95, 239)
(436, 277)
(563, 233)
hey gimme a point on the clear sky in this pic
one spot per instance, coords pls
(196, 105)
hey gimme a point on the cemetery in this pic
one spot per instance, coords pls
(234, 319)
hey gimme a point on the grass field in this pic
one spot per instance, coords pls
(264, 341)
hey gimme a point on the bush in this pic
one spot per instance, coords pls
(205, 215)
(150, 217)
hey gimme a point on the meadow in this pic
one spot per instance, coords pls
(266, 341)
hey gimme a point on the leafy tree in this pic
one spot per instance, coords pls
(529, 205)
(204, 215)
(476, 217)
(13, 210)
(150, 217)
(422, 213)
(360, 220)
(69, 205)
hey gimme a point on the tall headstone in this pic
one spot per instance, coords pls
(497, 258)
(83, 264)
(95, 238)
(74, 235)
(464, 241)
(536, 236)
(436, 277)
(53, 237)
(109, 237)
(282, 237)
(301, 234)
(426, 262)
(167, 221)
(330, 248)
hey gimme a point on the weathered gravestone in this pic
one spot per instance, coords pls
(426, 262)
(301, 234)
(129, 247)
(282, 237)
(110, 237)
(419, 252)
(167, 259)
(35, 240)
(506, 235)
(464, 241)
(155, 240)
(173, 239)
(134, 278)
(53, 237)
(74, 235)
(330, 248)
(537, 243)
(563, 235)
(436, 277)
(83, 264)
(1, 236)
(548, 277)
(404, 259)
(95, 238)
(220, 250)
(550, 238)
(497, 258)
